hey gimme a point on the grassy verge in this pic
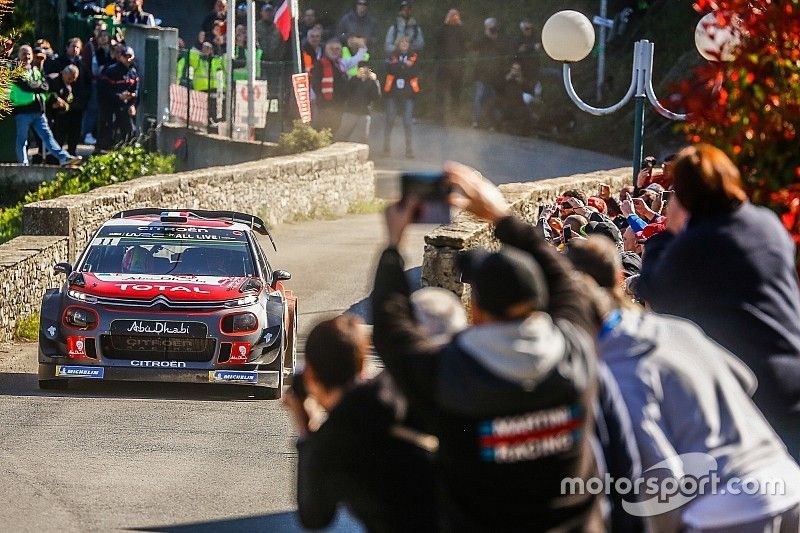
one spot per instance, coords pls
(27, 329)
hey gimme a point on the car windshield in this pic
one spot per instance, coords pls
(210, 253)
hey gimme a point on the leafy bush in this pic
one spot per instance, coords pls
(125, 164)
(750, 106)
(303, 138)
(27, 328)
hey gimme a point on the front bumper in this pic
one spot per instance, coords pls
(239, 376)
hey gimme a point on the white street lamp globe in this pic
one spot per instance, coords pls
(568, 36)
(714, 42)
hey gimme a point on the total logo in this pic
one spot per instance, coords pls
(159, 364)
(163, 288)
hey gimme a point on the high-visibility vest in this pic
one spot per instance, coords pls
(202, 78)
(354, 69)
(240, 73)
(413, 82)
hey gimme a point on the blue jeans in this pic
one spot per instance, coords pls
(38, 122)
(90, 115)
(483, 92)
(392, 109)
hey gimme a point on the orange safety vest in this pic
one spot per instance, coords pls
(390, 78)
(327, 79)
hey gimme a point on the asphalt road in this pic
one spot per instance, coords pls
(157, 457)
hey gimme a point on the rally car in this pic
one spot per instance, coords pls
(178, 296)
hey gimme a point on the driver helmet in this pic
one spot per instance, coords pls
(137, 260)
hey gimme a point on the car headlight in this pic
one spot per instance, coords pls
(81, 296)
(238, 323)
(80, 318)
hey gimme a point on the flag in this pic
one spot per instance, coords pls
(283, 19)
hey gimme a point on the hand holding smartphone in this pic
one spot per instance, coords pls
(432, 190)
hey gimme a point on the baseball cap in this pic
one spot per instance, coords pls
(502, 279)
(604, 228)
(649, 231)
(267, 7)
(631, 263)
(361, 2)
(129, 52)
(655, 187)
(405, 3)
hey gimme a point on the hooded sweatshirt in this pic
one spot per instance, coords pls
(687, 395)
(511, 403)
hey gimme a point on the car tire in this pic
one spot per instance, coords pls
(53, 384)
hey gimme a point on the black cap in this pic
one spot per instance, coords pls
(631, 263)
(503, 279)
(605, 228)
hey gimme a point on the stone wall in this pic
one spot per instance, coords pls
(26, 271)
(203, 150)
(312, 184)
(445, 242)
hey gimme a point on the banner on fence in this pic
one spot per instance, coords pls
(260, 104)
(197, 105)
(302, 95)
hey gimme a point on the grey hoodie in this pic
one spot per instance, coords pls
(685, 395)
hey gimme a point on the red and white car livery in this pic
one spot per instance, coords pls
(186, 296)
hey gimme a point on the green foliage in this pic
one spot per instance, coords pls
(128, 163)
(303, 138)
(27, 329)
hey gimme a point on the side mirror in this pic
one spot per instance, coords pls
(62, 268)
(280, 275)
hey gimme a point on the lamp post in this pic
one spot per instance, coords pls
(568, 36)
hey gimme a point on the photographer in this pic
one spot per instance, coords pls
(358, 457)
(510, 398)
(362, 91)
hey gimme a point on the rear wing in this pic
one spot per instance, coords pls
(255, 223)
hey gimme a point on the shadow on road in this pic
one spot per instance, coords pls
(269, 522)
(26, 384)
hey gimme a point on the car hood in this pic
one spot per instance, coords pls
(146, 287)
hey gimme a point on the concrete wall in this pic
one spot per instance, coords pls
(204, 150)
(26, 271)
(444, 243)
(135, 37)
(312, 184)
(14, 173)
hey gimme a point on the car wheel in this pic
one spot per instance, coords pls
(53, 384)
(268, 393)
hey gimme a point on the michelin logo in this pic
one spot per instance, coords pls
(233, 375)
(80, 372)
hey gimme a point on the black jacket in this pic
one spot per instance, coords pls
(734, 276)
(353, 459)
(81, 86)
(508, 435)
(115, 80)
(361, 94)
(339, 85)
(493, 59)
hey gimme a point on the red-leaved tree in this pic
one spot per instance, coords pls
(750, 106)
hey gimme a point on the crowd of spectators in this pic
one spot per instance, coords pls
(88, 94)
(646, 334)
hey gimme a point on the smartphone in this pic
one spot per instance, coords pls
(666, 196)
(567, 234)
(432, 190)
(649, 162)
